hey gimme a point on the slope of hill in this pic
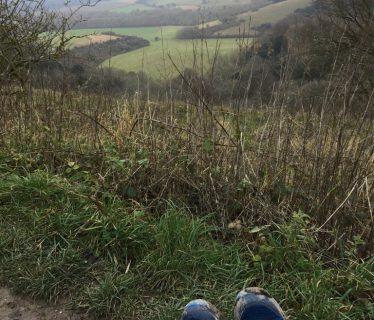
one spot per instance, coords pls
(269, 14)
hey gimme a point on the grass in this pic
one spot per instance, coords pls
(269, 14)
(85, 41)
(155, 59)
(115, 260)
(148, 33)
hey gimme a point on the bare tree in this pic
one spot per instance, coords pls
(355, 21)
(29, 34)
(348, 27)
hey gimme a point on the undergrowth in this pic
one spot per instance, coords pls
(128, 207)
(115, 258)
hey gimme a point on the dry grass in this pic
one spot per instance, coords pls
(254, 162)
(92, 39)
(255, 165)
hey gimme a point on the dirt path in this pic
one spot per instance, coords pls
(20, 308)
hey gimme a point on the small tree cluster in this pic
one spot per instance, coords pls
(355, 21)
(29, 34)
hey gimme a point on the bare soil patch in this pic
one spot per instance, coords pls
(22, 308)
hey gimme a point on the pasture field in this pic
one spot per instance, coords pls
(91, 39)
(155, 59)
(159, 58)
(208, 24)
(165, 50)
(148, 33)
(269, 14)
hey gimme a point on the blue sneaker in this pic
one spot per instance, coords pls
(257, 304)
(200, 310)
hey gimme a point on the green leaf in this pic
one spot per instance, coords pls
(266, 249)
(256, 258)
(208, 146)
(143, 162)
(358, 241)
(131, 192)
(258, 229)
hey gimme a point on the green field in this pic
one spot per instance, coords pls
(165, 50)
(155, 59)
(148, 33)
(269, 14)
(158, 59)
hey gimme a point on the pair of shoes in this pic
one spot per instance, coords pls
(250, 304)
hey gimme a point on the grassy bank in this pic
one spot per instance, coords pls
(129, 208)
(115, 258)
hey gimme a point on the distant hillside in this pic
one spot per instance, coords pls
(59, 4)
